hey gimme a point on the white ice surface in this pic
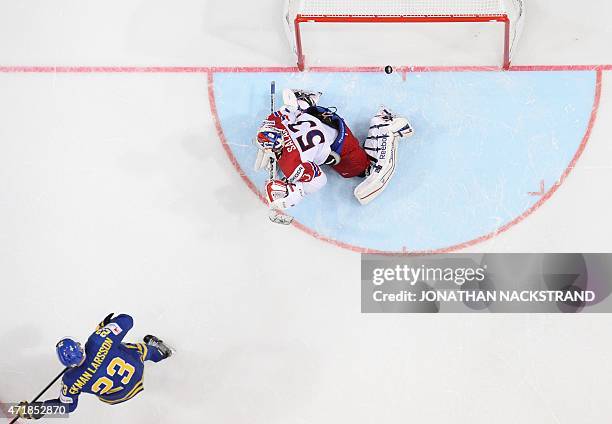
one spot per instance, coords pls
(116, 195)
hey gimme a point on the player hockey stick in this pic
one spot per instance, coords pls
(14, 420)
(275, 215)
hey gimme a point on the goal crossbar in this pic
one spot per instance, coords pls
(509, 13)
(300, 19)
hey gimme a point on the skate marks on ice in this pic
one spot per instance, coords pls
(484, 143)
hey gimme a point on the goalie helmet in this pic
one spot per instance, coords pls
(269, 139)
(70, 353)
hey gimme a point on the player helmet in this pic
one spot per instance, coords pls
(70, 353)
(269, 139)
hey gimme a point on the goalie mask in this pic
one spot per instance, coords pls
(269, 139)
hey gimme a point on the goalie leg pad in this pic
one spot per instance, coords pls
(262, 161)
(380, 172)
(300, 99)
(386, 129)
(387, 122)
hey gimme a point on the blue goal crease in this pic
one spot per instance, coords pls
(483, 141)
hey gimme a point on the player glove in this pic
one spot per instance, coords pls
(105, 321)
(24, 413)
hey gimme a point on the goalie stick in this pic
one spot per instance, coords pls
(275, 215)
(14, 420)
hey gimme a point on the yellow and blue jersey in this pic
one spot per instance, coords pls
(112, 370)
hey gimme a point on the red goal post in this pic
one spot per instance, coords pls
(510, 13)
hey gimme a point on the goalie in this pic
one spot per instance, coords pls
(303, 136)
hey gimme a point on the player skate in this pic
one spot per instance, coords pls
(106, 367)
(153, 341)
(302, 136)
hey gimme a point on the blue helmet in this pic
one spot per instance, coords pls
(70, 353)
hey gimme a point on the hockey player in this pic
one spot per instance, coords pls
(303, 136)
(106, 367)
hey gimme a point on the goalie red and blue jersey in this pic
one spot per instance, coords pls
(112, 370)
(309, 141)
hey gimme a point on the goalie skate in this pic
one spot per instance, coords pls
(386, 129)
(279, 217)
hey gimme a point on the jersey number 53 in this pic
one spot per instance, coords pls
(312, 136)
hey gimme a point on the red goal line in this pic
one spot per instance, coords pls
(213, 69)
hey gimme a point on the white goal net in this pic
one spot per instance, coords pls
(510, 13)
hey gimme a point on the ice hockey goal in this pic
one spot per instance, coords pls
(509, 13)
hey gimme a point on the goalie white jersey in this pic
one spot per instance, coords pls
(310, 140)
